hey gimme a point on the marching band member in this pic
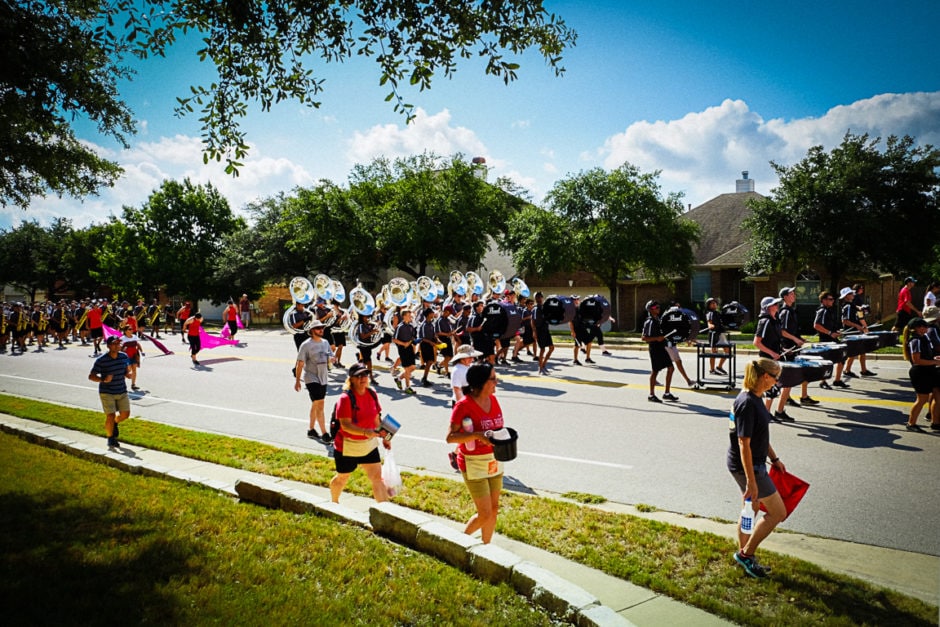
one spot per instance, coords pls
(828, 323)
(230, 318)
(480, 341)
(297, 320)
(428, 343)
(850, 318)
(542, 332)
(444, 326)
(404, 339)
(525, 337)
(337, 337)
(153, 318)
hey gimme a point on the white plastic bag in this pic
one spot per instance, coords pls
(390, 475)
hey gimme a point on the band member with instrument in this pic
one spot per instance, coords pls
(298, 320)
(153, 318)
(337, 336)
(428, 342)
(525, 338)
(924, 373)
(542, 331)
(851, 319)
(791, 340)
(404, 339)
(444, 327)
(659, 358)
(482, 342)
(365, 332)
(828, 324)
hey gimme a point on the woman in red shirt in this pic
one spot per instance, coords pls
(473, 415)
(230, 317)
(355, 443)
(191, 328)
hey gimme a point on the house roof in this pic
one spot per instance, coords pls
(723, 242)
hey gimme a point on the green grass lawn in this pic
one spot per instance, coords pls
(690, 566)
(84, 544)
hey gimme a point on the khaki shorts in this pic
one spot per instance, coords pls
(115, 403)
(483, 487)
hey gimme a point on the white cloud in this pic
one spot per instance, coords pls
(704, 152)
(426, 133)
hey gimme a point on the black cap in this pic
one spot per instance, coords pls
(358, 369)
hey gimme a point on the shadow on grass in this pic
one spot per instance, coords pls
(71, 565)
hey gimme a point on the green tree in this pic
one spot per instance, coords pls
(172, 241)
(64, 57)
(427, 211)
(855, 210)
(611, 224)
(55, 65)
(21, 257)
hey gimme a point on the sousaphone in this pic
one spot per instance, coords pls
(474, 283)
(519, 287)
(301, 290)
(323, 286)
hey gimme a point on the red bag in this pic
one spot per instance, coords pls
(790, 487)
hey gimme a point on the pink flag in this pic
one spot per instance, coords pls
(208, 341)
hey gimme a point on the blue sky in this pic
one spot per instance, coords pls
(698, 90)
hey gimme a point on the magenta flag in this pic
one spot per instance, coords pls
(212, 341)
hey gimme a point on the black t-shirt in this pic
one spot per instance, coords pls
(768, 329)
(790, 324)
(749, 419)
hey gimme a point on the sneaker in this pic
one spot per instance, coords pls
(516, 360)
(326, 438)
(807, 400)
(782, 416)
(750, 566)
(918, 428)
(312, 434)
(112, 442)
(452, 456)
(721, 371)
(410, 391)
(195, 363)
(867, 373)
(605, 353)
(535, 358)
(840, 384)
(397, 382)
(388, 359)
(668, 396)
(792, 403)
(425, 383)
(575, 362)
(849, 374)
(935, 426)
(589, 361)
(825, 386)
(713, 372)
(653, 399)
(135, 388)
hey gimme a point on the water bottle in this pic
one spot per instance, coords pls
(468, 427)
(747, 517)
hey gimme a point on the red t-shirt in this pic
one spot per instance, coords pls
(231, 314)
(193, 329)
(904, 299)
(482, 421)
(94, 318)
(366, 416)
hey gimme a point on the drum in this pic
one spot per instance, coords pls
(558, 309)
(886, 338)
(815, 369)
(501, 319)
(594, 309)
(859, 344)
(791, 374)
(682, 324)
(825, 350)
(734, 315)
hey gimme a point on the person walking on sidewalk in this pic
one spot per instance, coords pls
(313, 360)
(473, 415)
(109, 372)
(747, 456)
(355, 443)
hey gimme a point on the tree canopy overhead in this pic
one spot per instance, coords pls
(64, 57)
(856, 210)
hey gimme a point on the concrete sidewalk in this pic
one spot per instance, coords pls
(610, 601)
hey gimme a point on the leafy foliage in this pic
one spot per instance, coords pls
(64, 58)
(840, 208)
(611, 224)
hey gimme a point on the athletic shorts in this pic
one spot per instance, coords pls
(317, 391)
(659, 358)
(925, 379)
(365, 354)
(232, 327)
(97, 332)
(195, 343)
(407, 355)
(544, 338)
(427, 352)
(718, 340)
(115, 403)
(339, 339)
(765, 485)
(345, 465)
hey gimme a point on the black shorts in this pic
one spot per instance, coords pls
(925, 379)
(544, 337)
(97, 332)
(345, 465)
(903, 318)
(407, 355)
(427, 352)
(195, 344)
(365, 354)
(232, 327)
(659, 358)
(317, 391)
(448, 350)
(339, 339)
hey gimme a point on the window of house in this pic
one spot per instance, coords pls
(701, 285)
(807, 287)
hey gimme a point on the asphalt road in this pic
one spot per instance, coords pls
(583, 428)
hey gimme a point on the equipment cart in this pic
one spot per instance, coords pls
(702, 367)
